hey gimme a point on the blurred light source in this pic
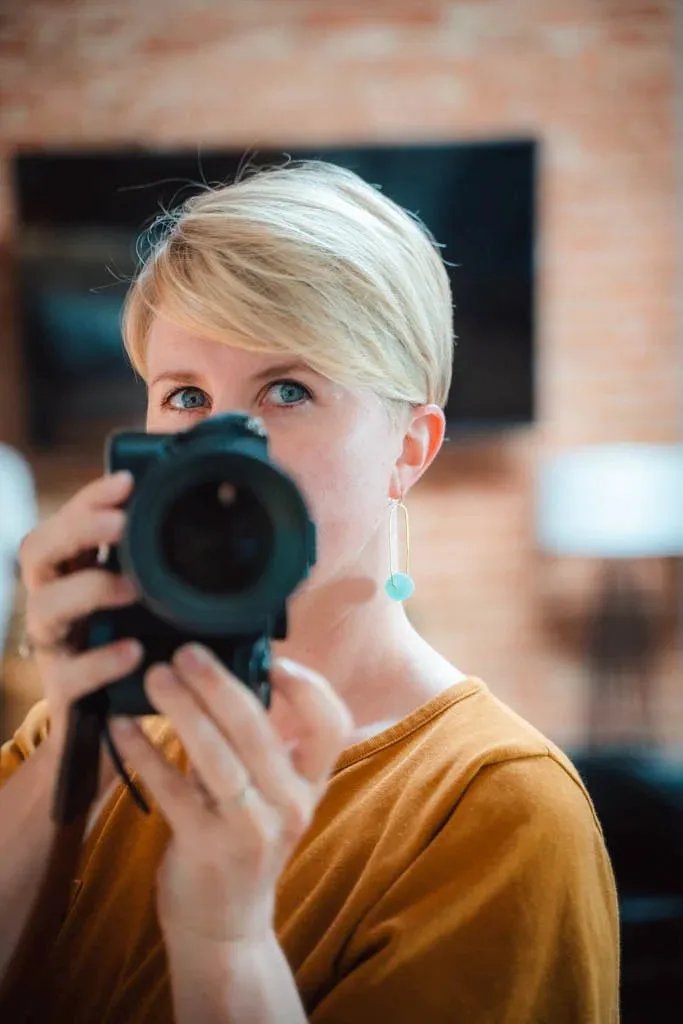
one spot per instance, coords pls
(18, 515)
(616, 503)
(613, 501)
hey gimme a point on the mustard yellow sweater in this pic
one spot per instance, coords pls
(454, 872)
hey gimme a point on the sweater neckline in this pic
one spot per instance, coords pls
(435, 706)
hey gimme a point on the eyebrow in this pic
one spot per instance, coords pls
(282, 369)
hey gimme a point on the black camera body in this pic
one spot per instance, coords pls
(217, 538)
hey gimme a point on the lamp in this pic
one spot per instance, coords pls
(615, 503)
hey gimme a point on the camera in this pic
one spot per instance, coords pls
(217, 538)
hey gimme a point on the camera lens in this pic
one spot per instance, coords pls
(216, 537)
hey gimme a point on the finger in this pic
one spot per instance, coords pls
(54, 607)
(324, 723)
(179, 801)
(72, 677)
(107, 491)
(215, 764)
(86, 521)
(222, 708)
(63, 538)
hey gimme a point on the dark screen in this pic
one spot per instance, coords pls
(80, 214)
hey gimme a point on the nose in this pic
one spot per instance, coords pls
(229, 404)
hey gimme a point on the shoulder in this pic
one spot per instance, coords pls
(35, 729)
(509, 757)
(25, 740)
(481, 761)
(518, 802)
(539, 798)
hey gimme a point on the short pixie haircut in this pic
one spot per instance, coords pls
(307, 260)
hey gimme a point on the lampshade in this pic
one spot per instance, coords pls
(18, 515)
(612, 501)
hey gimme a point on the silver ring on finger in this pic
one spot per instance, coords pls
(28, 647)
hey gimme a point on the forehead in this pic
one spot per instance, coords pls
(172, 348)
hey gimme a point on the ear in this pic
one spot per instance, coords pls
(421, 443)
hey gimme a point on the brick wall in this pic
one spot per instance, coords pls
(592, 79)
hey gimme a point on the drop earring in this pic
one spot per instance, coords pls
(400, 586)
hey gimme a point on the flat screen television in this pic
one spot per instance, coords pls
(80, 213)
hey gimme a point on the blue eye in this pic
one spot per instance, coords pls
(285, 393)
(186, 399)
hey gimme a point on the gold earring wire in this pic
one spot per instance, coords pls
(396, 507)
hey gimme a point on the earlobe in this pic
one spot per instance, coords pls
(421, 443)
(396, 491)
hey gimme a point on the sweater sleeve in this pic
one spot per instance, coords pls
(508, 916)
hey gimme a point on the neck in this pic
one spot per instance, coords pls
(365, 645)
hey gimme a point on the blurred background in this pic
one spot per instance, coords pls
(541, 142)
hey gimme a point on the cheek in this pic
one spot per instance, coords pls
(159, 422)
(346, 491)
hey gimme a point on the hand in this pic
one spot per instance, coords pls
(58, 599)
(255, 780)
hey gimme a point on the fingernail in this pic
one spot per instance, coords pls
(130, 651)
(122, 475)
(193, 656)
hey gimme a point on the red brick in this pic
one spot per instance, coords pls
(593, 81)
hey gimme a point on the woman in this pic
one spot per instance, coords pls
(389, 842)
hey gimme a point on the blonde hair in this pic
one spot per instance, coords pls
(309, 260)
